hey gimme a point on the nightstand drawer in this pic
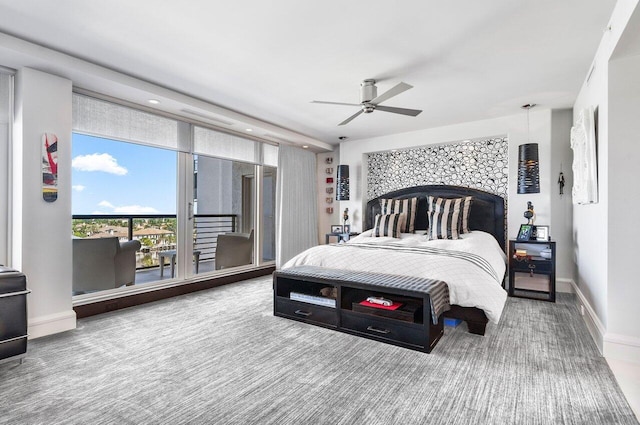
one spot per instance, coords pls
(307, 312)
(537, 266)
(537, 282)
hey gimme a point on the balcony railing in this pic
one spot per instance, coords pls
(156, 232)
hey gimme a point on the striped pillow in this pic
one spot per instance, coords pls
(445, 218)
(406, 207)
(466, 208)
(386, 225)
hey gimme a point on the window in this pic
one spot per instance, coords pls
(6, 114)
(128, 168)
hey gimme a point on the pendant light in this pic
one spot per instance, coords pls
(528, 162)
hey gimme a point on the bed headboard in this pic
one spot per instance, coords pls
(487, 209)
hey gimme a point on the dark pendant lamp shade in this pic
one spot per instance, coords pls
(342, 190)
(528, 168)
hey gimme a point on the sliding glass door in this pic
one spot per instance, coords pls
(224, 212)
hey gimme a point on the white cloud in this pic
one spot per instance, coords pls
(78, 187)
(98, 162)
(106, 204)
(128, 209)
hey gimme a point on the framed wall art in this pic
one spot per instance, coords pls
(49, 167)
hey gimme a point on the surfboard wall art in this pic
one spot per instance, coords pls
(49, 167)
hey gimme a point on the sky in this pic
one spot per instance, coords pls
(113, 177)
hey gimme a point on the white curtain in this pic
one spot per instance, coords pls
(296, 203)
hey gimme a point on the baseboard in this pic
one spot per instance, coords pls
(622, 347)
(591, 319)
(51, 324)
(99, 306)
(564, 285)
(613, 346)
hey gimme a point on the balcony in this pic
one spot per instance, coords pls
(157, 235)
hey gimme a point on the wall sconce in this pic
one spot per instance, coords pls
(528, 169)
(342, 190)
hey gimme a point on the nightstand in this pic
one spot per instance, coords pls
(532, 275)
(341, 236)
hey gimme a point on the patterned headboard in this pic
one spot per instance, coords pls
(487, 210)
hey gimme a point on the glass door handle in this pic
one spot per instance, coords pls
(190, 211)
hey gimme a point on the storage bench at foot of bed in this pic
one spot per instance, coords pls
(298, 295)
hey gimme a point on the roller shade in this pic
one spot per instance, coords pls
(227, 146)
(5, 98)
(100, 118)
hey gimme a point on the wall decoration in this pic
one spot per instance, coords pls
(480, 164)
(585, 172)
(49, 167)
(329, 180)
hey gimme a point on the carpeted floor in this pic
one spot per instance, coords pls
(221, 357)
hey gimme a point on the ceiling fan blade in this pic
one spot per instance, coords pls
(335, 103)
(393, 91)
(348, 120)
(403, 111)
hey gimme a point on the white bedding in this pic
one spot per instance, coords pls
(474, 280)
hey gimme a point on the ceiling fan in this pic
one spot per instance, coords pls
(370, 101)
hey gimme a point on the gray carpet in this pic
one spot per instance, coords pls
(221, 357)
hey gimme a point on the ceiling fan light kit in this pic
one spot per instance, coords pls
(370, 101)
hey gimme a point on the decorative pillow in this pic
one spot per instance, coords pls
(445, 218)
(386, 225)
(466, 208)
(406, 207)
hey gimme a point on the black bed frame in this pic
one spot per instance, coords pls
(487, 214)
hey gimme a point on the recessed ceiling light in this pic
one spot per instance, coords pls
(249, 129)
(154, 101)
(305, 146)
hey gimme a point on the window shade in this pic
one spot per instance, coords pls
(5, 98)
(223, 145)
(269, 155)
(109, 120)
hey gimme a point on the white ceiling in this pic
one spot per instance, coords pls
(467, 59)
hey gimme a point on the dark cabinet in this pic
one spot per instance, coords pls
(532, 269)
(13, 314)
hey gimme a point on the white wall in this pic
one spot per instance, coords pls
(603, 243)
(41, 244)
(624, 202)
(561, 205)
(515, 127)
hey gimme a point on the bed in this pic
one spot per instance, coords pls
(475, 278)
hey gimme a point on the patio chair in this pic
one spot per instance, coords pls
(103, 263)
(234, 249)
